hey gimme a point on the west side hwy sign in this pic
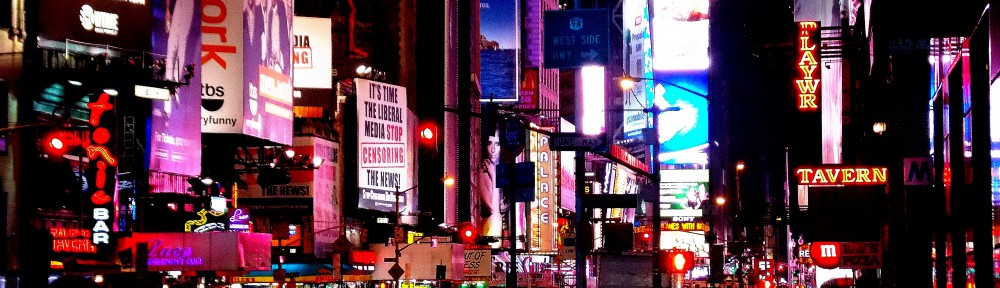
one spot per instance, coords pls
(576, 142)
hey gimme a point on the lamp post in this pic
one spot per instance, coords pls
(448, 181)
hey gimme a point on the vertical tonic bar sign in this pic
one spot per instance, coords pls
(102, 177)
(807, 84)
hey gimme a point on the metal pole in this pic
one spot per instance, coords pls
(511, 226)
(657, 217)
(395, 229)
(583, 235)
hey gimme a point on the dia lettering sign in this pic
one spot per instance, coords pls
(807, 83)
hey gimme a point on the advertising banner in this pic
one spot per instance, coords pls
(267, 73)
(490, 220)
(681, 69)
(533, 31)
(122, 24)
(174, 147)
(545, 214)
(247, 77)
(311, 183)
(311, 52)
(683, 199)
(499, 42)
(638, 63)
(222, 67)
(681, 28)
(478, 264)
(326, 198)
(219, 251)
(383, 145)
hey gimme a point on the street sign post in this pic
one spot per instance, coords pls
(574, 38)
(396, 271)
(576, 142)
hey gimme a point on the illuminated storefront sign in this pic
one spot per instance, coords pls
(103, 163)
(239, 220)
(839, 175)
(622, 155)
(217, 251)
(808, 82)
(163, 255)
(543, 212)
(674, 226)
(847, 255)
(72, 241)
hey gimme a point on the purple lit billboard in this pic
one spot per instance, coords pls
(175, 147)
(267, 69)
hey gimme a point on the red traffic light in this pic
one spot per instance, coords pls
(677, 261)
(426, 133)
(56, 143)
(467, 233)
(646, 235)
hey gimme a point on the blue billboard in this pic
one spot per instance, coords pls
(683, 131)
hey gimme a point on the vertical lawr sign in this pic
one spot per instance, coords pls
(807, 82)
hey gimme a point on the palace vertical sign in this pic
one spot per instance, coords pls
(544, 214)
(102, 172)
(807, 84)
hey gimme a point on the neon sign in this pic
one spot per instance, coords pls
(104, 162)
(239, 220)
(543, 210)
(839, 175)
(808, 83)
(72, 241)
(160, 255)
(621, 154)
(201, 224)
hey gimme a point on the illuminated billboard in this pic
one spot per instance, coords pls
(829, 175)
(499, 43)
(312, 56)
(681, 35)
(591, 87)
(383, 145)
(680, 64)
(121, 24)
(175, 147)
(683, 194)
(683, 131)
(638, 63)
(246, 70)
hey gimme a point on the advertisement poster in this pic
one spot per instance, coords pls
(533, 31)
(222, 67)
(681, 28)
(490, 219)
(681, 69)
(267, 73)
(121, 24)
(545, 210)
(311, 52)
(499, 43)
(683, 132)
(383, 145)
(326, 200)
(638, 63)
(683, 199)
(174, 147)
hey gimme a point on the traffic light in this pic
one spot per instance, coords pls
(643, 240)
(467, 233)
(55, 143)
(677, 261)
(427, 135)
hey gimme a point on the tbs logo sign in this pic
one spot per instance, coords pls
(825, 254)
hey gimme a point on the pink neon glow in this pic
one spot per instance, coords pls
(591, 85)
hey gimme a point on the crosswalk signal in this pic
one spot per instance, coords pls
(677, 261)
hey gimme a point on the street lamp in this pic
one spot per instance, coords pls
(447, 180)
